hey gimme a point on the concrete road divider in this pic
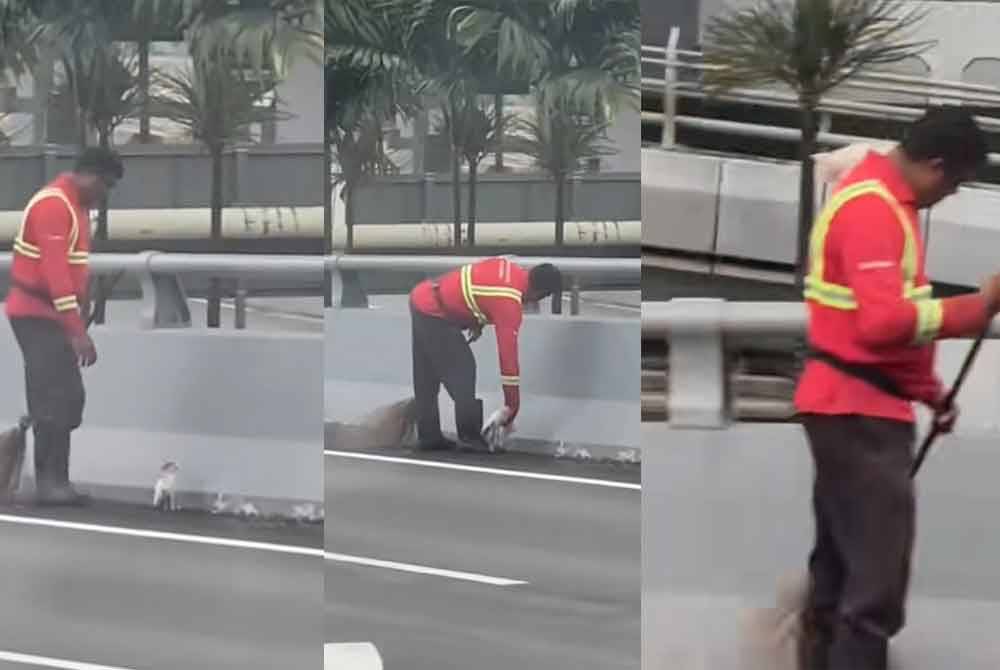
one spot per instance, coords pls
(579, 390)
(240, 412)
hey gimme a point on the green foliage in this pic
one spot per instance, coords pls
(811, 46)
(216, 103)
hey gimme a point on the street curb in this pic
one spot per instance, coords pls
(348, 437)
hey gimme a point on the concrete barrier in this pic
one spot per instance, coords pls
(239, 411)
(747, 209)
(579, 375)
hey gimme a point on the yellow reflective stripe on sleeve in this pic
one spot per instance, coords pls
(26, 247)
(66, 303)
(79, 257)
(508, 380)
(930, 315)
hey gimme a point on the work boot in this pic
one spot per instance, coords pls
(52, 484)
(470, 426)
(65, 495)
(441, 443)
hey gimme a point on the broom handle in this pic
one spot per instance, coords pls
(950, 399)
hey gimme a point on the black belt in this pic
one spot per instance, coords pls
(866, 373)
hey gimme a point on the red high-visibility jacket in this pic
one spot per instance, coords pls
(51, 255)
(870, 302)
(487, 292)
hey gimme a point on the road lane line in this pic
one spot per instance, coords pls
(61, 664)
(475, 468)
(422, 570)
(161, 535)
(351, 656)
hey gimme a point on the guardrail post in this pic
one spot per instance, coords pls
(699, 393)
(164, 302)
(669, 137)
(240, 307)
(574, 299)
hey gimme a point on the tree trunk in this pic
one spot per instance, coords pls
(349, 212)
(144, 90)
(473, 179)
(100, 298)
(498, 111)
(327, 215)
(807, 147)
(456, 192)
(214, 316)
(560, 179)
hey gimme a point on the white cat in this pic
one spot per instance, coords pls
(163, 490)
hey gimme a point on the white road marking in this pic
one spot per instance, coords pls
(351, 656)
(45, 662)
(422, 570)
(162, 535)
(491, 471)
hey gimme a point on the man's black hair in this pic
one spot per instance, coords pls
(951, 134)
(545, 279)
(101, 162)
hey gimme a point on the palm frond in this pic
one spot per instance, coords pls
(811, 46)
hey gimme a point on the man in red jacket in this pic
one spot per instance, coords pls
(491, 291)
(46, 306)
(872, 327)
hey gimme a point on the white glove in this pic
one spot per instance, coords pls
(494, 431)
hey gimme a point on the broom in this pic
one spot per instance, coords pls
(13, 443)
(392, 426)
(773, 633)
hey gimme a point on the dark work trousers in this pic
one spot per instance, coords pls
(55, 394)
(863, 501)
(441, 356)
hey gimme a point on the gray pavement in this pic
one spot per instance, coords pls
(301, 315)
(726, 517)
(576, 545)
(141, 603)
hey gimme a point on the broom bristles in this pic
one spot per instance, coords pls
(391, 426)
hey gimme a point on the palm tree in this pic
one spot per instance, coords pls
(217, 102)
(370, 80)
(811, 46)
(561, 142)
(582, 59)
(476, 131)
(580, 54)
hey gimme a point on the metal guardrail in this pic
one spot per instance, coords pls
(694, 375)
(672, 87)
(578, 272)
(164, 302)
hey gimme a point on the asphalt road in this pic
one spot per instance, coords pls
(133, 602)
(574, 547)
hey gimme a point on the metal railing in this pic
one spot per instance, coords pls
(695, 377)
(164, 301)
(579, 274)
(672, 87)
